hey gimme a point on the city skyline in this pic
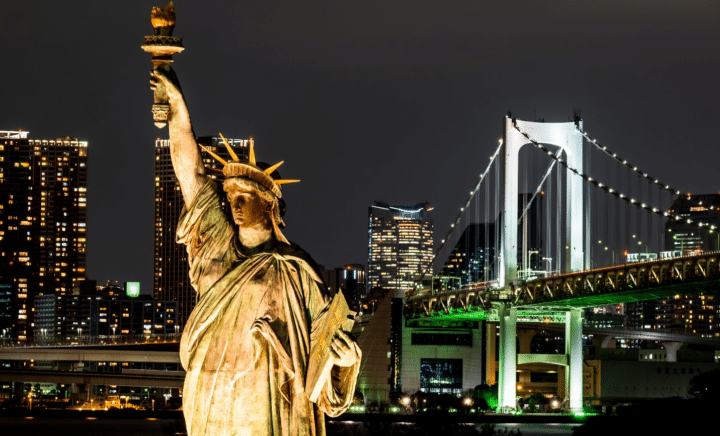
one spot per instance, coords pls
(400, 102)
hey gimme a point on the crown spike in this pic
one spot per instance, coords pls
(252, 152)
(285, 181)
(218, 158)
(269, 170)
(229, 149)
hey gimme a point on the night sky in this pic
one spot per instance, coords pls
(397, 101)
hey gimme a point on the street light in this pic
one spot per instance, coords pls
(717, 245)
(549, 261)
(613, 255)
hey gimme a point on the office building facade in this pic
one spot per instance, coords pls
(400, 245)
(43, 198)
(170, 271)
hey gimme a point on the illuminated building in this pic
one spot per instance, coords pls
(170, 272)
(92, 313)
(43, 194)
(696, 314)
(400, 246)
(348, 279)
(472, 259)
(687, 237)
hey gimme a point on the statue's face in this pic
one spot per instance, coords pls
(248, 208)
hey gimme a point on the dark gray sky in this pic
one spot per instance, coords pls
(399, 101)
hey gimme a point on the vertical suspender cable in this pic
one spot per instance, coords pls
(486, 242)
(498, 240)
(560, 219)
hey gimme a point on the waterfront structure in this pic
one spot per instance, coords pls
(400, 244)
(171, 269)
(43, 198)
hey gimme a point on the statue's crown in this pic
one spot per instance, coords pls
(249, 169)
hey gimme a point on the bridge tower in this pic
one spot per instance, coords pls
(566, 136)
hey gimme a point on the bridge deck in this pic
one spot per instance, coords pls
(687, 275)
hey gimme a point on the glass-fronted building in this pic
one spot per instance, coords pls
(400, 244)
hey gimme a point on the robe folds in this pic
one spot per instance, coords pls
(246, 344)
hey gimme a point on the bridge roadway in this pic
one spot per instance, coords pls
(536, 300)
(136, 353)
(131, 353)
(156, 379)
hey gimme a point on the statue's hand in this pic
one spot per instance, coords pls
(160, 78)
(344, 350)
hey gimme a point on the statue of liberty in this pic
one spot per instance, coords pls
(261, 303)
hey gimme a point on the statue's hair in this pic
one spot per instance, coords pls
(231, 183)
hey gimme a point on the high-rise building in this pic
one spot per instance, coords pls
(686, 237)
(43, 197)
(696, 314)
(348, 279)
(170, 278)
(400, 244)
(473, 258)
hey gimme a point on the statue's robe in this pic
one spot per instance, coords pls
(246, 344)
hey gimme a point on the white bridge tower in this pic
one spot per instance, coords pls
(566, 136)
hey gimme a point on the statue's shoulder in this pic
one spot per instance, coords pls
(301, 257)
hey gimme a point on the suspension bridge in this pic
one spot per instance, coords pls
(555, 227)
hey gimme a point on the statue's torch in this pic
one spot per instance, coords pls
(163, 46)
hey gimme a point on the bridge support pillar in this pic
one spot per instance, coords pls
(507, 386)
(573, 349)
(672, 349)
(490, 356)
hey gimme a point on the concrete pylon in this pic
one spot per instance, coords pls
(507, 386)
(573, 349)
(672, 349)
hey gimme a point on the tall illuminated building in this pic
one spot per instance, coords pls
(43, 195)
(170, 272)
(400, 244)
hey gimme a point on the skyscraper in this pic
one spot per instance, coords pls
(43, 197)
(170, 272)
(400, 245)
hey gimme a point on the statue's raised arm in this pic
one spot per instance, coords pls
(184, 149)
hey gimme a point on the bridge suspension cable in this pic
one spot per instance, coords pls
(462, 210)
(539, 187)
(626, 164)
(608, 189)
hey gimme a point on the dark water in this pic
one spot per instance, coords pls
(19, 426)
(351, 428)
(82, 426)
